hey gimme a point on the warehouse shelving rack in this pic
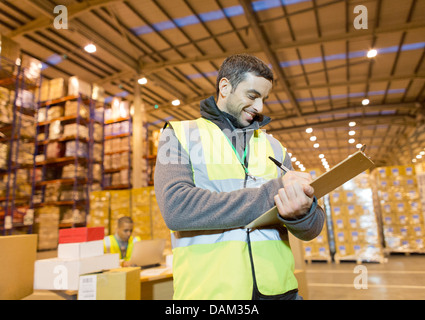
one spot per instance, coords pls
(16, 214)
(94, 119)
(128, 167)
(76, 159)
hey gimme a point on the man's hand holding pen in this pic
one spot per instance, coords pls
(296, 197)
(294, 200)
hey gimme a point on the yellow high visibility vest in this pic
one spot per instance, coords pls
(215, 264)
(110, 245)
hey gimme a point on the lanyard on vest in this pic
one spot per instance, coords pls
(242, 161)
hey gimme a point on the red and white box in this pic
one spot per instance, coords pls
(83, 234)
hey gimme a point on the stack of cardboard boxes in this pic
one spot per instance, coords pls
(355, 223)
(52, 89)
(401, 209)
(47, 226)
(99, 210)
(80, 251)
(318, 249)
(141, 212)
(120, 207)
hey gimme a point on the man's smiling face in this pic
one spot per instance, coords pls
(247, 100)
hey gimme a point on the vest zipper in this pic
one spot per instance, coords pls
(247, 174)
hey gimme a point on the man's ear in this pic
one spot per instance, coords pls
(225, 88)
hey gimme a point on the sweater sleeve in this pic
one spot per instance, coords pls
(187, 207)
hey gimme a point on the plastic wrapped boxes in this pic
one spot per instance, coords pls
(356, 231)
(401, 209)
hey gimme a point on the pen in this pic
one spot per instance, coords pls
(281, 166)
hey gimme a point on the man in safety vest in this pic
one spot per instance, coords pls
(213, 177)
(122, 241)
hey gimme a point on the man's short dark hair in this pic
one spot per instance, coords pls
(235, 68)
(124, 220)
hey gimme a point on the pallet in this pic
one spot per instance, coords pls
(359, 260)
(405, 252)
(309, 260)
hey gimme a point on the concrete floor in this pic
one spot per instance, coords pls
(401, 278)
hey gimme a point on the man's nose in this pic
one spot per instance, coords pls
(258, 105)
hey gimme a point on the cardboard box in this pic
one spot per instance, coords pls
(64, 274)
(115, 284)
(83, 234)
(80, 249)
(17, 256)
(46, 226)
(52, 89)
(77, 86)
(31, 67)
(98, 93)
(9, 49)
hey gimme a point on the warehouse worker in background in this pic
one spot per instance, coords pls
(213, 177)
(122, 241)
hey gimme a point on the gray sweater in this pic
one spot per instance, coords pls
(187, 207)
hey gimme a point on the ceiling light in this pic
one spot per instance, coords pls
(372, 53)
(352, 124)
(365, 102)
(422, 153)
(297, 163)
(316, 145)
(351, 141)
(175, 102)
(293, 159)
(351, 133)
(302, 169)
(418, 156)
(290, 154)
(90, 48)
(413, 160)
(313, 138)
(142, 81)
(359, 145)
(321, 155)
(309, 130)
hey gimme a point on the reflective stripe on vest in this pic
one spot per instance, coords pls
(215, 264)
(188, 238)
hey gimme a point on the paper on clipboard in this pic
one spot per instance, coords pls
(330, 180)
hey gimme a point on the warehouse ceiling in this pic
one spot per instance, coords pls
(316, 48)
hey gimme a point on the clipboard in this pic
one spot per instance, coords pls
(344, 171)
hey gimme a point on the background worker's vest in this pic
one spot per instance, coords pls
(215, 264)
(110, 245)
